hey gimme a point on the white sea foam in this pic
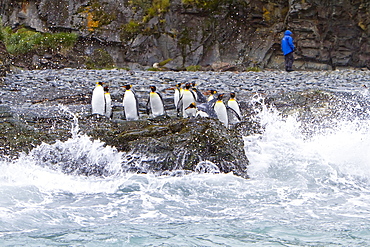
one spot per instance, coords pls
(304, 190)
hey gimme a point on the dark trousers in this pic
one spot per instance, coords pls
(289, 59)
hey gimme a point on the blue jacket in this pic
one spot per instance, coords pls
(287, 45)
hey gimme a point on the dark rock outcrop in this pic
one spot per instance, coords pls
(161, 146)
(176, 144)
(243, 34)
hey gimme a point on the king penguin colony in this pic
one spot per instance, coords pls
(187, 104)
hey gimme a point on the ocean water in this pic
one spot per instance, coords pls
(304, 190)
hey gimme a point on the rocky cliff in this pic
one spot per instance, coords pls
(211, 34)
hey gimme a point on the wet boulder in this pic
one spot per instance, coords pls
(176, 144)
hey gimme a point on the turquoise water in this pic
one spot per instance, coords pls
(304, 191)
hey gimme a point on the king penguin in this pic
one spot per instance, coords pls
(212, 95)
(130, 104)
(221, 110)
(108, 103)
(155, 103)
(201, 110)
(186, 99)
(233, 104)
(97, 99)
(191, 110)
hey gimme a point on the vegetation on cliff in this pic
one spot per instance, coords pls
(24, 40)
(100, 59)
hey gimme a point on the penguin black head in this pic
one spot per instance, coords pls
(153, 88)
(100, 83)
(188, 85)
(213, 91)
(128, 87)
(106, 89)
(178, 85)
(232, 95)
(220, 96)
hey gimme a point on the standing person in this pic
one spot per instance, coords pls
(288, 48)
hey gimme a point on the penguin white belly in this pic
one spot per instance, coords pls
(176, 97)
(234, 105)
(156, 105)
(108, 105)
(98, 101)
(191, 112)
(221, 112)
(129, 101)
(187, 99)
(201, 114)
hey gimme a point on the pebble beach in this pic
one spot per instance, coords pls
(23, 90)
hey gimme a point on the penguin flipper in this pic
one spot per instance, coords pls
(137, 106)
(179, 106)
(232, 115)
(164, 108)
(147, 107)
(208, 109)
(200, 96)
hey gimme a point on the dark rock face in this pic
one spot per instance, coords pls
(160, 147)
(334, 33)
(328, 34)
(176, 144)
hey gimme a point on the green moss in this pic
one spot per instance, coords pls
(103, 18)
(254, 69)
(127, 69)
(153, 69)
(147, 9)
(2, 34)
(23, 41)
(157, 8)
(130, 30)
(163, 63)
(99, 15)
(209, 5)
(100, 59)
(193, 68)
(150, 8)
